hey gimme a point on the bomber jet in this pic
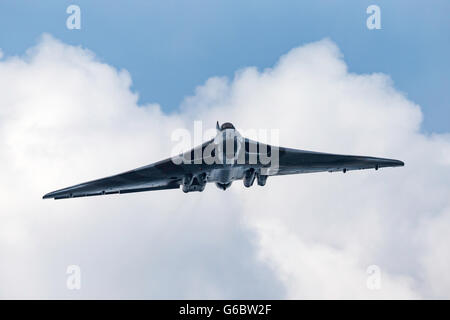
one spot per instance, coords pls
(222, 160)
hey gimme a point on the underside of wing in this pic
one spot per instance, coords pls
(292, 161)
(159, 176)
(162, 175)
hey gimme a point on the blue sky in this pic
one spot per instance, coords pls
(170, 47)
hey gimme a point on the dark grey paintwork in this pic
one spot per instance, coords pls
(193, 176)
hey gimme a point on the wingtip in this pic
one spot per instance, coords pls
(49, 195)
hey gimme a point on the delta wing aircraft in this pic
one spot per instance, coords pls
(222, 160)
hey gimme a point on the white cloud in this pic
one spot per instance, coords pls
(66, 117)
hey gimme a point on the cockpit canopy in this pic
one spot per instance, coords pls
(226, 125)
(227, 143)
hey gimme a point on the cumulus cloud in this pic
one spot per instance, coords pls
(66, 117)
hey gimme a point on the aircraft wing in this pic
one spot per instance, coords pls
(292, 161)
(161, 175)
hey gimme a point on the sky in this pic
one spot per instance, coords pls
(71, 113)
(170, 47)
